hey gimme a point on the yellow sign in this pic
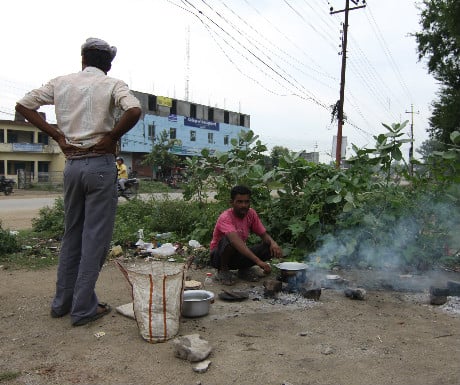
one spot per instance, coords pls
(164, 101)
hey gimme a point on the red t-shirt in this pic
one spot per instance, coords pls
(228, 222)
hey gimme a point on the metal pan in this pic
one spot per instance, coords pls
(292, 266)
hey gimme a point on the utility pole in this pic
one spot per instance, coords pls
(338, 151)
(411, 148)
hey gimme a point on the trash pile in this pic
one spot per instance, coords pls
(162, 248)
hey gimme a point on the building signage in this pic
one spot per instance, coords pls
(27, 147)
(164, 101)
(199, 123)
(188, 151)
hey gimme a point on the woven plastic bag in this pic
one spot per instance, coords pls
(157, 289)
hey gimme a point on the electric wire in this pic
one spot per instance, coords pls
(388, 54)
(308, 95)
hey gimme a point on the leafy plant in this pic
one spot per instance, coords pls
(50, 220)
(8, 242)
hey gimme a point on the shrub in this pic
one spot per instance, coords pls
(8, 242)
(50, 220)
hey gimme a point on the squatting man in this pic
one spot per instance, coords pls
(228, 245)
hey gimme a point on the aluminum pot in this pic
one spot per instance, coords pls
(196, 303)
(291, 268)
(293, 273)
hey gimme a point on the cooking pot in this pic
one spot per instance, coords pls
(292, 266)
(294, 273)
(196, 303)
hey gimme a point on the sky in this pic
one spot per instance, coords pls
(277, 61)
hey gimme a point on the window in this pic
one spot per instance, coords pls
(152, 103)
(226, 117)
(211, 137)
(151, 133)
(192, 136)
(193, 110)
(172, 133)
(174, 107)
(226, 141)
(12, 136)
(211, 114)
(242, 120)
(43, 138)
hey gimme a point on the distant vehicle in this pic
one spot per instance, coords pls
(6, 185)
(131, 189)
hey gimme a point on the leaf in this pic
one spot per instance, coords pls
(334, 199)
(348, 206)
(449, 155)
(349, 197)
(455, 137)
(396, 153)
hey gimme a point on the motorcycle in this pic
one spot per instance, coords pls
(6, 185)
(131, 188)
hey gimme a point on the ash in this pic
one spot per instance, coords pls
(452, 305)
(282, 298)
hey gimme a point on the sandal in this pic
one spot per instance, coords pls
(225, 277)
(248, 275)
(106, 309)
(55, 314)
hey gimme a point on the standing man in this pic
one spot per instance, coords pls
(122, 172)
(87, 134)
(228, 246)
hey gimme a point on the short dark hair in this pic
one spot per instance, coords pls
(241, 190)
(97, 58)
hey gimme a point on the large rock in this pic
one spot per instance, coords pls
(192, 348)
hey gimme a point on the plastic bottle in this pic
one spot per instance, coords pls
(208, 281)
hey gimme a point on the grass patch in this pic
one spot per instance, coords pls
(10, 375)
(147, 186)
(36, 252)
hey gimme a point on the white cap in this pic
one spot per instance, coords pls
(99, 44)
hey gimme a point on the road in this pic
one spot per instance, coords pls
(18, 209)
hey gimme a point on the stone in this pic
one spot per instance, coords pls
(116, 251)
(358, 293)
(192, 348)
(271, 287)
(202, 366)
(328, 350)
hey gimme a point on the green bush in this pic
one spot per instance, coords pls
(8, 242)
(50, 220)
(154, 216)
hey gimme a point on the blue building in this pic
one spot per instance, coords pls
(193, 126)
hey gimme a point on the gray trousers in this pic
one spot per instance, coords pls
(90, 203)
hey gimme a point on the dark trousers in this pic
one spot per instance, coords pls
(226, 257)
(90, 202)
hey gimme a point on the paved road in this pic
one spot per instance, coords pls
(10, 204)
(17, 211)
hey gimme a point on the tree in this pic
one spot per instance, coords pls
(276, 153)
(439, 43)
(161, 156)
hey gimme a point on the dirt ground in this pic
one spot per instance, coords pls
(393, 336)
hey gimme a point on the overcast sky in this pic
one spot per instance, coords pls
(275, 60)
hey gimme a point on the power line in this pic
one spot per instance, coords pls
(387, 52)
